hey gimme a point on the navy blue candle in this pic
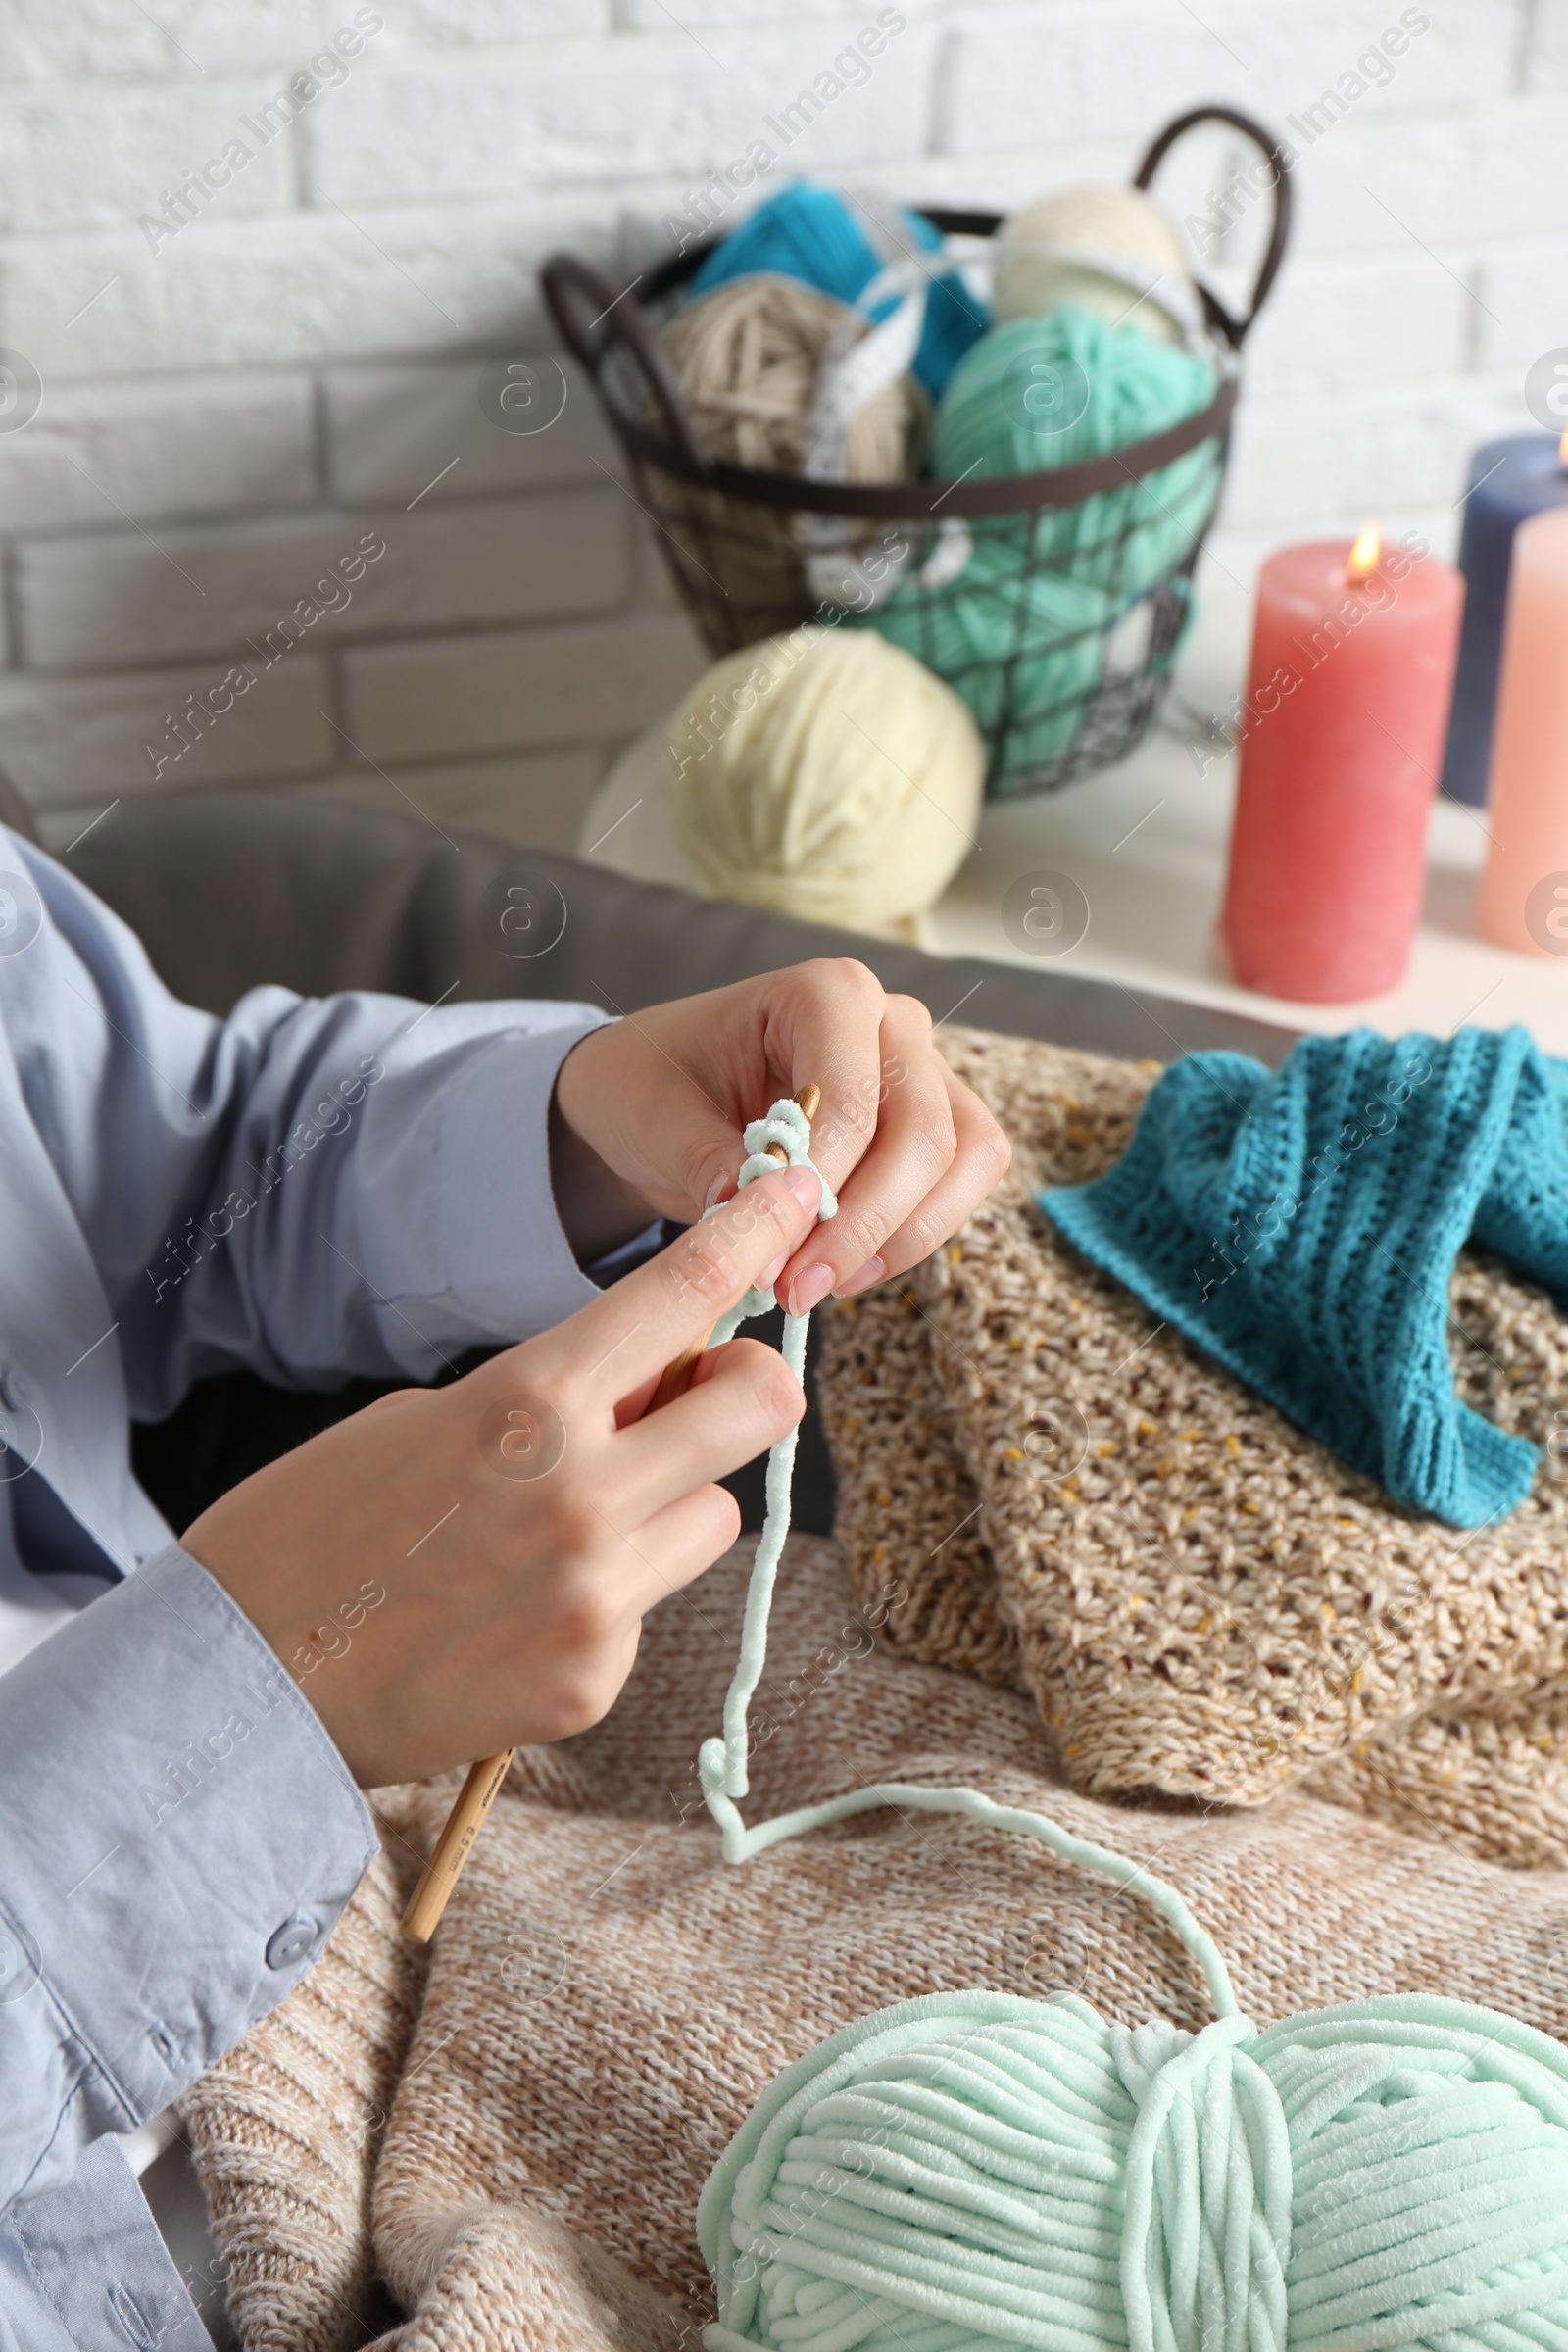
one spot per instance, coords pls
(1509, 481)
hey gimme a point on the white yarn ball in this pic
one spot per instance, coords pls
(828, 774)
(1043, 257)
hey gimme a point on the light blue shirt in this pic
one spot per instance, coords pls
(312, 1189)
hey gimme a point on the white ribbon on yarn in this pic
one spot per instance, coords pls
(853, 369)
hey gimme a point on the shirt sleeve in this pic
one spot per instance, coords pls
(313, 1187)
(82, 2269)
(178, 1837)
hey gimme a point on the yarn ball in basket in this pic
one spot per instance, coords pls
(980, 2170)
(1042, 393)
(1101, 248)
(838, 243)
(747, 357)
(1020, 643)
(1017, 628)
(825, 775)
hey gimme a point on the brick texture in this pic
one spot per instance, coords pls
(513, 688)
(86, 602)
(230, 405)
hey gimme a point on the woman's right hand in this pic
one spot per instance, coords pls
(519, 1523)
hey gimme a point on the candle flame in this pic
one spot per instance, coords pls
(1562, 451)
(1362, 560)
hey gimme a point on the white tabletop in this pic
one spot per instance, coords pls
(1146, 843)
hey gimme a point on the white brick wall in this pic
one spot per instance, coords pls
(228, 409)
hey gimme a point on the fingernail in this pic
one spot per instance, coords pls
(719, 1190)
(810, 1288)
(862, 1279)
(807, 1186)
(772, 1270)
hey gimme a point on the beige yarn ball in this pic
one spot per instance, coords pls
(745, 357)
(1034, 267)
(828, 774)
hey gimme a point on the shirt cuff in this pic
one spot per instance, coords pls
(84, 2270)
(178, 1837)
(633, 1254)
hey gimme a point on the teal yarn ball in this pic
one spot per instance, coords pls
(974, 2171)
(1042, 393)
(1021, 633)
(1021, 646)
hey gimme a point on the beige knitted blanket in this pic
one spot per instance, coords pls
(1203, 1602)
(516, 2146)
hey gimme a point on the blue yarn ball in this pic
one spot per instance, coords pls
(812, 234)
(973, 2171)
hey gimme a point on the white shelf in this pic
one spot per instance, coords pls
(1146, 843)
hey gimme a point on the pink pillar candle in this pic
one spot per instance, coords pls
(1524, 890)
(1341, 737)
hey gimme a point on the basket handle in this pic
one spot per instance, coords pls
(1235, 329)
(591, 316)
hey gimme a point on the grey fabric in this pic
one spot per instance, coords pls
(231, 889)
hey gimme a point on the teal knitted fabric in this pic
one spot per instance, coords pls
(1301, 1225)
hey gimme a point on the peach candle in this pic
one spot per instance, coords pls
(1524, 890)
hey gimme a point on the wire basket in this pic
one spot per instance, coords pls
(1084, 569)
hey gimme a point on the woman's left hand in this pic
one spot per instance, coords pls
(649, 1113)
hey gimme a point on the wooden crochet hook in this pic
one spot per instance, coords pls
(484, 1782)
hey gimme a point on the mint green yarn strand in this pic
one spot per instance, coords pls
(741, 1843)
(765, 1568)
(785, 1128)
(722, 1763)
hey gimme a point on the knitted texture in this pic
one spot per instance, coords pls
(285, 2129)
(1205, 1602)
(1301, 1225)
(606, 2000)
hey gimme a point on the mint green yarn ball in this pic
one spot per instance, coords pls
(1020, 632)
(1019, 645)
(1042, 393)
(971, 2172)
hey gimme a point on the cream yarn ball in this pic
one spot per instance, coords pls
(1044, 255)
(828, 774)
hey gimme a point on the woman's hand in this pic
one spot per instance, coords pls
(458, 1571)
(650, 1112)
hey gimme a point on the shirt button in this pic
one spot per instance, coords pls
(295, 1941)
